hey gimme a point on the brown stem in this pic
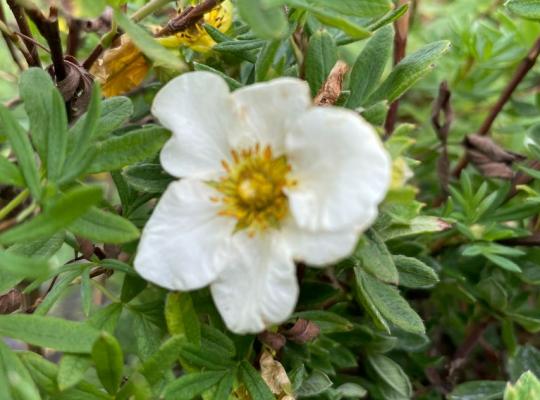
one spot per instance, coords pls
(20, 17)
(523, 69)
(74, 36)
(476, 332)
(9, 43)
(48, 27)
(400, 49)
(189, 17)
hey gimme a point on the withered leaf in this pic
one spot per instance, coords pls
(491, 159)
(303, 331)
(121, 69)
(275, 341)
(331, 90)
(274, 374)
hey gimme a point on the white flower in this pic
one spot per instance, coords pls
(267, 179)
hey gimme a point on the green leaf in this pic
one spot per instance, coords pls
(352, 391)
(181, 317)
(115, 111)
(51, 332)
(57, 216)
(10, 174)
(82, 135)
(392, 374)
(320, 59)
(389, 303)
(86, 292)
(369, 66)
(314, 385)
(373, 256)
(478, 390)
(71, 370)
(327, 321)
(266, 22)
(411, 69)
(265, 60)
(527, 387)
(23, 267)
(22, 149)
(529, 9)
(204, 357)
(527, 358)
(59, 288)
(13, 374)
(191, 385)
(414, 274)
(214, 339)
(148, 45)
(357, 8)
(503, 262)
(57, 137)
(130, 148)
(224, 387)
(251, 378)
(233, 83)
(418, 226)
(104, 227)
(37, 104)
(109, 361)
(44, 374)
(154, 367)
(149, 178)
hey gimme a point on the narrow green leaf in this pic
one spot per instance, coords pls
(315, 384)
(115, 111)
(320, 59)
(392, 374)
(224, 387)
(153, 368)
(411, 69)
(373, 256)
(104, 227)
(390, 304)
(233, 83)
(266, 59)
(369, 66)
(16, 375)
(327, 321)
(149, 178)
(71, 370)
(59, 215)
(10, 173)
(413, 273)
(59, 288)
(130, 148)
(51, 332)
(37, 104)
(23, 267)
(109, 361)
(266, 22)
(23, 150)
(86, 292)
(191, 385)
(527, 387)
(257, 388)
(57, 137)
(148, 45)
(181, 317)
(529, 9)
(478, 390)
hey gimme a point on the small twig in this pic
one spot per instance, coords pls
(20, 17)
(74, 36)
(476, 333)
(48, 27)
(441, 119)
(526, 65)
(16, 41)
(400, 49)
(9, 43)
(189, 17)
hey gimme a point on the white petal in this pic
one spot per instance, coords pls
(182, 244)
(197, 108)
(342, 169)
(267, 110)
(258, 287)
(319, 248)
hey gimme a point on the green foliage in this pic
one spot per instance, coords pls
(439, 298)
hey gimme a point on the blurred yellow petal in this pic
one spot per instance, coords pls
(121, 69)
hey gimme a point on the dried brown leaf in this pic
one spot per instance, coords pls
(274, 374)
(121, 69)
(302, 332)
(331, 89)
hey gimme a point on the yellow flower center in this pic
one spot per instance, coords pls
(252, 191)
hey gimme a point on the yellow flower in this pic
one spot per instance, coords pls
(196, 36)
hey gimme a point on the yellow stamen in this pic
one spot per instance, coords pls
(253, 189)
